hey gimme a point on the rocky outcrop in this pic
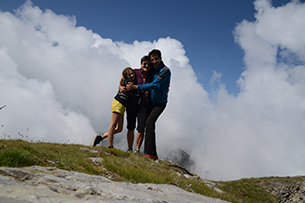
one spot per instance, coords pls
(289, 189)
(50, 184)
(180, 157)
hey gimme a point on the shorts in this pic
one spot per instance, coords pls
(116, 106)
(137, 113)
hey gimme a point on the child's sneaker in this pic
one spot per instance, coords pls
(96, 139)
(129, 150)
(137, 151)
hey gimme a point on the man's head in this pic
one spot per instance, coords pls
(155, 57)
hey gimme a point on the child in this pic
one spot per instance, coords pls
(117, 109)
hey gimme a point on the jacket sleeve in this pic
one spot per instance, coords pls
(161, 77)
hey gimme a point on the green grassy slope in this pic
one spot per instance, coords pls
(124, 166)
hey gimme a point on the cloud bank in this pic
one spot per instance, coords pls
(57, 81)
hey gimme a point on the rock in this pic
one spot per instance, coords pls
(213, 186)
(96, 160)
(290, 189)
(50, 184)
(181, 157)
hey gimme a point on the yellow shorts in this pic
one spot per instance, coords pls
(116, 106)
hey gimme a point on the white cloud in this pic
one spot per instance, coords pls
(58, 81)
(262, 128)
(31, 108)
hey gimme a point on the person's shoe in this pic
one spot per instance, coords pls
(151, 156)
(129, 150)
(137, 151)
(96, 139)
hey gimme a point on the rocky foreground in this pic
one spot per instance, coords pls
(50, 184)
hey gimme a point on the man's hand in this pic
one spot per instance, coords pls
(130, 86)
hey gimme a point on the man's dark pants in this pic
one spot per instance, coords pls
(150, 135)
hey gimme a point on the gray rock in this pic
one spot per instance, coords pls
(50, 184)
(290, 189)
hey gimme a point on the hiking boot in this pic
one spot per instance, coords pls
(151, 156)
(137, 152)
(96, 139)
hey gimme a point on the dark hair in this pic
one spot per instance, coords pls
(155, 52)
(145, 58)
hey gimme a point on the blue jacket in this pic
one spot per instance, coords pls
(159, 85)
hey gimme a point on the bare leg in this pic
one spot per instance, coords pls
(139, 140)
(130, 138)
(116, 126)
(116, 130)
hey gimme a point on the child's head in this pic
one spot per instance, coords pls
(128, 73)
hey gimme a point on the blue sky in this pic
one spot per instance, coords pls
(203, 27)
(59, 74)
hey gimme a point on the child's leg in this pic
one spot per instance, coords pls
(116, 126)
(139, 139)
(130, 138)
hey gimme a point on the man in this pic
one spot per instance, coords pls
(159, 93)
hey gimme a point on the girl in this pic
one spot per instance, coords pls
(117, 109)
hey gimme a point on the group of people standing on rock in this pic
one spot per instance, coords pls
(143, 93)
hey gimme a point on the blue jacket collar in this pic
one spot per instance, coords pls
(160, 66)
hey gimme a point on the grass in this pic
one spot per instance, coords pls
(125, 166)
(248, 190)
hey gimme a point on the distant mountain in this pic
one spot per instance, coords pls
(181, 157)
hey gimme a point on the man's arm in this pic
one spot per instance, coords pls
(163, 75)
(130, 86)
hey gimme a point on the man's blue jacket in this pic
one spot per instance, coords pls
(159, 85)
